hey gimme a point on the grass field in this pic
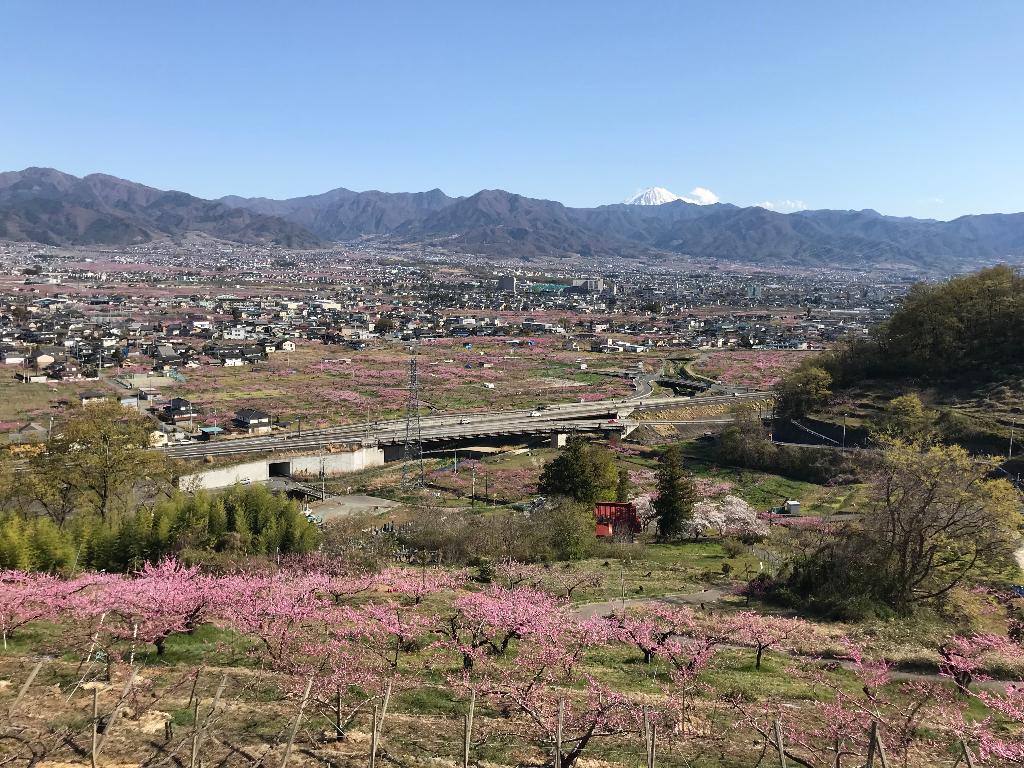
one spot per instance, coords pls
(21, 403)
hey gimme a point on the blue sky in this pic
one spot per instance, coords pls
(911, 108)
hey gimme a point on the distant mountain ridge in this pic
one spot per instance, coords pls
(504, 224)
(47, 206)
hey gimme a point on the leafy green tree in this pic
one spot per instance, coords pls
(98, 462)
(935, 522)
(744, 442)
(673, 506)
(15, 551)
(962, 328)
(563, 531)
(802, 390)
(582, 472)
(183, 525)
(624, 488)
(905, 418)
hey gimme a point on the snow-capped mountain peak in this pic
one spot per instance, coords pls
(653, 196)
(660, 195)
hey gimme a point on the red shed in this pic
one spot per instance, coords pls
(616, 520)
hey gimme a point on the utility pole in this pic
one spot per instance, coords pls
(844, 430)
(413, 448)
(1013, 426)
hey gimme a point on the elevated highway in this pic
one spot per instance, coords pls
(598, 416)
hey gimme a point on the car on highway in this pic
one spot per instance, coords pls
(534, 413)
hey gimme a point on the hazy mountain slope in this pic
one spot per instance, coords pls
(506, 224)
(342, 214)
(47, 206)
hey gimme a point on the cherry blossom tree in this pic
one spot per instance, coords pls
(1002, 743)
(28, 597)
(159, 601)
(486, 623)
(766, 632)
(963, 658)
(275, 609)
(652, 630)
(729, 516)
(835, 728)
(545, 684)
(414, 584)
(561, 581)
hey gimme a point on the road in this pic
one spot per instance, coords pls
(707, 596)
(562, 417)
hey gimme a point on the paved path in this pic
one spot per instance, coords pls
(705, 596)
(344, 506)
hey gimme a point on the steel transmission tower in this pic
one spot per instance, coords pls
(413, 448)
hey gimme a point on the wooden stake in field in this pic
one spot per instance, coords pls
(378, 724)
(649, 731)
(558, 733)
(469, 728)
(116, 713)
(779, 744)
(875, 746)
(966, 755)
(95, 726)
(24, 689)
(373, 739)
(295, 725)
(199, 730)
(337, 710)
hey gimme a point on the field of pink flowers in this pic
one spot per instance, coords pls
(332, 385)
(751, 368)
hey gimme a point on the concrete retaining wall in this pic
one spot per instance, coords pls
(224, 477)
(337, 463)
(260, 471)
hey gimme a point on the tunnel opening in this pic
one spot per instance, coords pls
(280, 469)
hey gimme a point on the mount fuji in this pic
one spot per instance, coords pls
(660, 195)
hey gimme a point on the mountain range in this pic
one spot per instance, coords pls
(47, 206)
